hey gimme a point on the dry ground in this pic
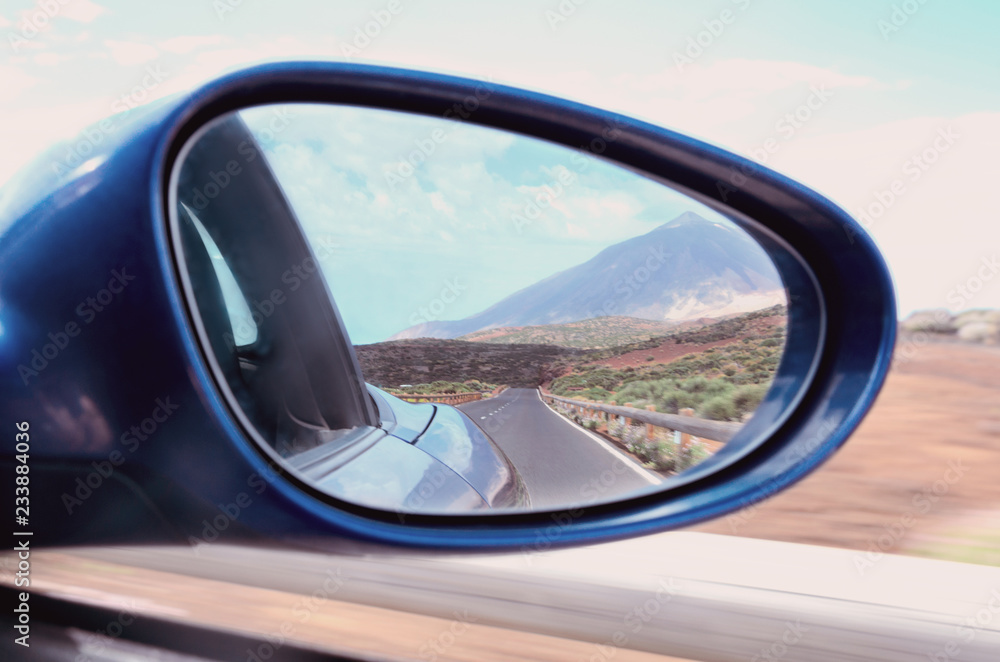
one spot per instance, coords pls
(920, 476)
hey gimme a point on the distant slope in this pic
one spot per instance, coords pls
(596, 333)
(424, 360)
(685, 269)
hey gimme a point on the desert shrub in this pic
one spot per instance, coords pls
(636, 391)
(664, 454)
(696, 384)
(741, 378)
(718, 408)
(770, 361)
(595, 393)
(747, 398)
(602, 377)
(695, 454)
(717, 387)
(677, 369)
(634, 436)
(671, 402)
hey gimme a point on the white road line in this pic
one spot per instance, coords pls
(652, 479)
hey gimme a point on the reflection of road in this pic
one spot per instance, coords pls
(561, 463)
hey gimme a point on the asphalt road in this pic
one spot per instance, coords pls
(561, 463)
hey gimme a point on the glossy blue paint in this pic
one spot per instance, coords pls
(406, 420)
(132, 441)
(457, 442)
(394, 474)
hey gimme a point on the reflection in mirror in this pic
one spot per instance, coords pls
(423, 315)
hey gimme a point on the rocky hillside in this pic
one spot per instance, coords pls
(396, 362)
(596, 333)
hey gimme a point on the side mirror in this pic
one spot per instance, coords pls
(429, 310)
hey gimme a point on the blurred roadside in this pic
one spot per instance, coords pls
(919, 477)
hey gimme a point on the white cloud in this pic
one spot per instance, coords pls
(719, 100)
(190, 43)
(14, 80)
(129, 53)
(438, 203)
(50, 59)
(4, 23)
(82, 11)
(941, 221)
(200, 67)
(739, 76)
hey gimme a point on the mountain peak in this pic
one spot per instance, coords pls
(684, 269)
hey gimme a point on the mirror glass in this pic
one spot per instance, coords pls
(420, 314)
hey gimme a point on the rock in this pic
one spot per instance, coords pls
(980, 332)
(981, 315)
(930, 321)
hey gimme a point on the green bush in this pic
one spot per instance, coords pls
(606, 378)
(595, 393)
(695, 384)
(742, 378)
(695, 454)
(718, 408)
(747, 398)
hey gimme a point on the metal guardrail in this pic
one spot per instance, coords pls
(449, 398)
(697, 427)
(443, 398)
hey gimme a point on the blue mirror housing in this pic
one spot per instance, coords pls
(129, 436)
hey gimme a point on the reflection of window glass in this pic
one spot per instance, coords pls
(240, 317)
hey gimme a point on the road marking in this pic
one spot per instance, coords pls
(629, 462)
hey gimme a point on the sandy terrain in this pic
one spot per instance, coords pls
(918, 477)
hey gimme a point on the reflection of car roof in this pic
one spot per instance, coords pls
(454, 439)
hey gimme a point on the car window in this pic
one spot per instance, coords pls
(240, 317)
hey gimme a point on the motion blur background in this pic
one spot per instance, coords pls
(890, 108)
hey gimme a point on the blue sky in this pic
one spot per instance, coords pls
(889, 90)
(438, 220)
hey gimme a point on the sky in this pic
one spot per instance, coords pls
(430, 219)
(889, 108)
